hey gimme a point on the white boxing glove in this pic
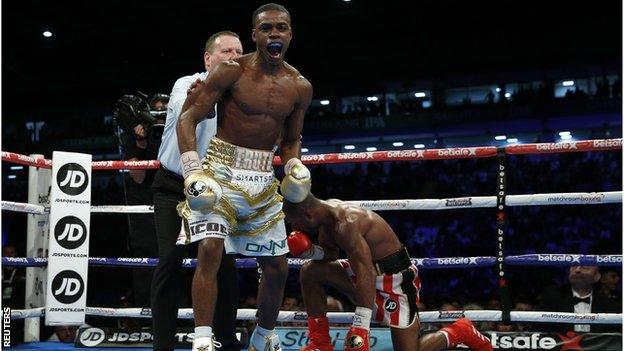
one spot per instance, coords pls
(297, 182)
(202, 192)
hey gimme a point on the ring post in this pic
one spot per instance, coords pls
(37, 229)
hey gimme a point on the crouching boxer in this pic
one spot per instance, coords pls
(379, 277)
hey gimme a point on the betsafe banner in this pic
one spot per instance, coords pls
(556, 341)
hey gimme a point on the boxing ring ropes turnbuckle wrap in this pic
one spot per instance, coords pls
(499, 202)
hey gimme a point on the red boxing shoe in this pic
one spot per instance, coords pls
(318, 333)
(464, 332)
(357, 340)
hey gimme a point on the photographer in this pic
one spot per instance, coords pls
(142, 126)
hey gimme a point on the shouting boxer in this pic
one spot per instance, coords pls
(231, 197)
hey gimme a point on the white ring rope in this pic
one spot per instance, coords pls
(347, 317)
(607, 197)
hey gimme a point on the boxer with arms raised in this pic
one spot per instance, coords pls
(379, 276)
(231, 197)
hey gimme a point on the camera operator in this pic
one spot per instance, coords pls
(142, 126)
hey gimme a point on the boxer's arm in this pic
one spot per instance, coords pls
(200, 103)
(331, 253)
(290, 146)
(360, 258)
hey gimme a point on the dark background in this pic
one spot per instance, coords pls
(100, 49)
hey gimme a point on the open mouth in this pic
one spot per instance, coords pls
(275, 49)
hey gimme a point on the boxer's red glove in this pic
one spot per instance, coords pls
(356, 340)
(299, 244)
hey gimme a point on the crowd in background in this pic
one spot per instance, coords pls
(450, 233)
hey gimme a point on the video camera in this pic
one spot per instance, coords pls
(132, 110)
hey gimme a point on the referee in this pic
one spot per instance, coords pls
(167, 188)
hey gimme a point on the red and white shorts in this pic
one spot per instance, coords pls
(396, 298)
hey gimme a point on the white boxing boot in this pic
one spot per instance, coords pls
(260, 342)
(205, 343)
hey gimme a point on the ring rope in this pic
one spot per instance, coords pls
(594, 198)
(347, 317)
(353, 157)
(421, 263)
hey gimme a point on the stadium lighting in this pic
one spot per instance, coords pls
(566, 137)
(397, 143)
(12, 176)
(500, 137)
(349, 147)
(372, 98)
(419, 146)
(47, 34)
(324, 102)
(512, 140)
(507, 95)
(371, 148)
(566, 133)
(567, 83)
(304, 149)
(17, 168)
(420, 94)
(498, 90)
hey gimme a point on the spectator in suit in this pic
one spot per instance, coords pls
(609, 282)
(579, 296)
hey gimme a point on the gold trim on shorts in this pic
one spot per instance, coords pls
(252, 200)
(268, 224)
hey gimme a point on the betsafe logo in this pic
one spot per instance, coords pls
(67, 286)
(72, 179)
(70, 232)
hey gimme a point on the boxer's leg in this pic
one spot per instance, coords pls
(314, 275)
(271, 289)
(205, 284)
(404, 339)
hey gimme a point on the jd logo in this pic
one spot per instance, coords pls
(70, 232)
(67, 286)
(390, 305)
(271, 247)
(92, 337)
(72, 179)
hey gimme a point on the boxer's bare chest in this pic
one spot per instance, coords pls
(269, 95)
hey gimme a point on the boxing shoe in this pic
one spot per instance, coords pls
(357, 340)
(205, 343)
(464, 332)
(318, 334)
(259, 342)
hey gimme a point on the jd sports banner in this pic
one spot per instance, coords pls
(70, 213)
(295, 338)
